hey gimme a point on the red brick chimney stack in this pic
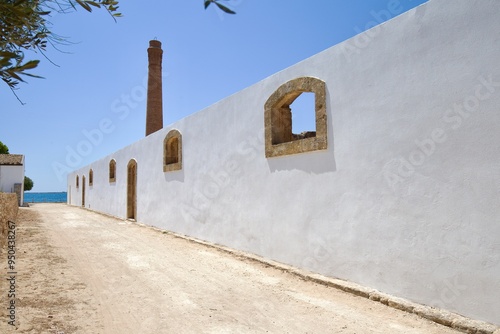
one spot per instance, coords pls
(154, 109)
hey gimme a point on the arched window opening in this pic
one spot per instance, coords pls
(288, 103)
(303, 116)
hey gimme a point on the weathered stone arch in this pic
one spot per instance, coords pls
(172, 151)
(279, 139)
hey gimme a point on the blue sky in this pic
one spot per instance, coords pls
(208, 55)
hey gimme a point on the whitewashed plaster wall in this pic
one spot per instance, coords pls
(406, 199)
(9, 176)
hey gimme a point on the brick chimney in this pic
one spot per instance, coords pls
(154, 109)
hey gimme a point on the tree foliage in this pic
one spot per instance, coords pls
(28, 183)
(3, 148)
(25, 26)
(218, 4)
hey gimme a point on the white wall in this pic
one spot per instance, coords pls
(10, 175)
(405, 199)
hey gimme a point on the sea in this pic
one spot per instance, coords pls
(59, 197)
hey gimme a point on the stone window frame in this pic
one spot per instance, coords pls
(277, 110)
(91, 177)
(112, 171)
(77, 182)
(172, 161)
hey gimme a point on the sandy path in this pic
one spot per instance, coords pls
(81, 272)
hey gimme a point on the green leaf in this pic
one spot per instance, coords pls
(14, 75)
(85, 5)
(29, 65)
(93, 3)
(7, 54)
(33, 75)
(224, 8)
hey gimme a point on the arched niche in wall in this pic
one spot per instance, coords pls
(172, 151)
(279, 138)
(83, 190)
(91, 177)
(112, 171)
(132, 189)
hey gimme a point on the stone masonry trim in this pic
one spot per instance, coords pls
(172, 161)
(279, 139)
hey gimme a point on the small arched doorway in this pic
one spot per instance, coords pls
(132, 189)
(83, 190)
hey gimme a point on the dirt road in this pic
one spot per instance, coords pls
(82, 272)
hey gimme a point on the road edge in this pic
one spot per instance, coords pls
(440, 316)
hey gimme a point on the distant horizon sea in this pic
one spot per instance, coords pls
(50, 197)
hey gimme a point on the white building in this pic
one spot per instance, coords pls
(12, 175)
(398, 189)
